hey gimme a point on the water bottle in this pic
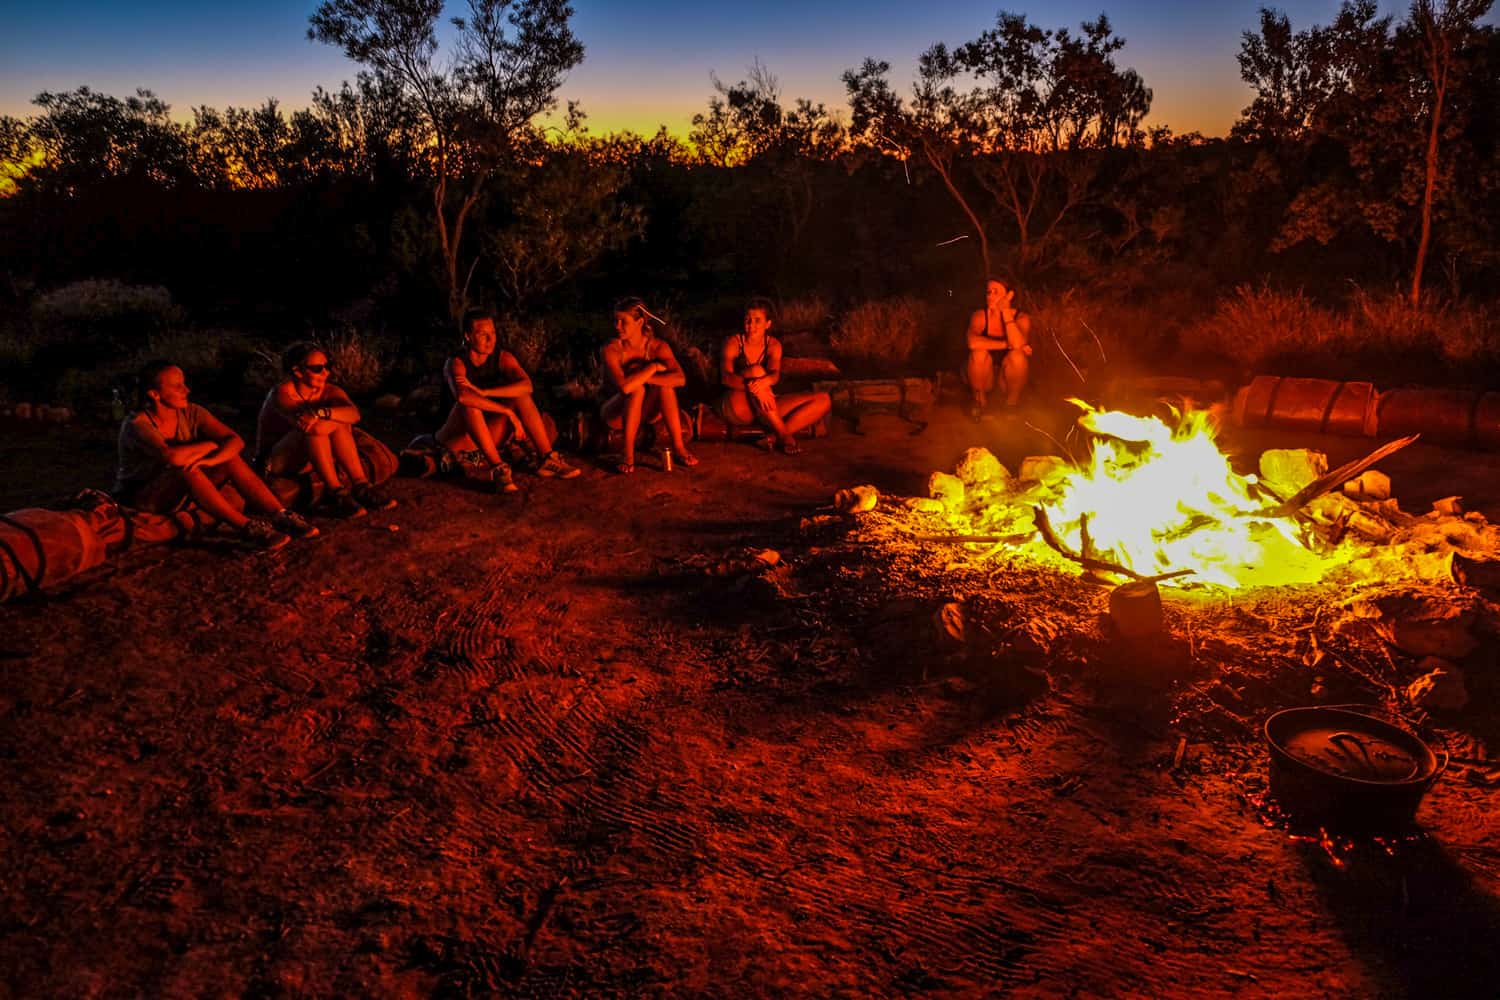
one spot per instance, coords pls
(116, 405)
(666, 460)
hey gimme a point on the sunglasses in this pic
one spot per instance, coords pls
(316, 369)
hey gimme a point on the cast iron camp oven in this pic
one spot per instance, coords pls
(1346, 770)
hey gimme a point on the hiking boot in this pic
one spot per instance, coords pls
(370, 496)
(503, 478)
(293, 525)
(341, 503)
(259, 534)
(555, 467)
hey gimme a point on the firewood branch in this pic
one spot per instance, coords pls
(1050, 536)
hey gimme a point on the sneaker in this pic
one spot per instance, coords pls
(293, 525)
(370, 497)
(341, 503)
(504, 480)
(259, 534)
(555, 467)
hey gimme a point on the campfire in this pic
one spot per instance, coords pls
(1154, 499)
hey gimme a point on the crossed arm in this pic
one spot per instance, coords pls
(517, 384)
(1015, 334)
(335, 406)
(662, 370)
(771, 364)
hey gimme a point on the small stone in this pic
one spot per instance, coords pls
(1449, 506)
(1442, 688)
(1372, 484)
(856, 500)
(1040, 468)
(950, 626)
(949, 490)
(1287, 470)
(978, 467)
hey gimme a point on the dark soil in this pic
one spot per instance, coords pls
(536, 746)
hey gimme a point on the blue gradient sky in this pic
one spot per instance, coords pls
(648, 61)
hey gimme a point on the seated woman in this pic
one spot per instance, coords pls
(997, 328)
(307, 422)
(646, 376)
(491, 401)
(750, 366)
(173, 452)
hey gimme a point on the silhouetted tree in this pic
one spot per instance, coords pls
(1037, 107)
(478, 112)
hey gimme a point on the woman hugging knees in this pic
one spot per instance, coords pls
(174, 453)
(750, 368)
(646, 377)
(307, 424)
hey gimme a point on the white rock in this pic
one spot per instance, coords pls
(979, 467)
(1040, 468)
(947, 489)
(924, 505)
(1287, 470)
(1372, 484)
(856, 499)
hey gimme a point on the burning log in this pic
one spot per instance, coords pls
(1044, 526)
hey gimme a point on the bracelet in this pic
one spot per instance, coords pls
(323, 413)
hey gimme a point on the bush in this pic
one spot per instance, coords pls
(108, 318)
(359, 364)
(531, 341)
(803, 315)
(883, 333)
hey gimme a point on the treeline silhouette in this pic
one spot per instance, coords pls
(1367, 156)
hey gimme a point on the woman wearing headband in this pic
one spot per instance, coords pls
(646, 377)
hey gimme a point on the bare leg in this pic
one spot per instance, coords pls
(673, 416)
(320, 452)
(635, 405)
(205, 492)
(980, 375)
(484, 434)
(536, 427)
(252, 487)
(803, 409)
(346, 453)
(1015, 369)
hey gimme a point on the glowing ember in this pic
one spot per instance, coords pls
(1159, 499)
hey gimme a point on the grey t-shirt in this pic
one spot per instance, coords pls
(143, 448)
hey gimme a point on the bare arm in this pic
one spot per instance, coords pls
(335, 406)
(221, 443)
(1018, 330)
(456, 373)
(978, 340)
(669, 372)
(518, 382)
(727, 354)
(616, 371)
(772, 363)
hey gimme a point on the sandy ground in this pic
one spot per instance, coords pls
(527, 746)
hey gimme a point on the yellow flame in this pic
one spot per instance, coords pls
(1158, 499)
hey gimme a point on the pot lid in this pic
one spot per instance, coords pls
(1363, 756)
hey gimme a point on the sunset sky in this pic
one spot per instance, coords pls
(648, 62)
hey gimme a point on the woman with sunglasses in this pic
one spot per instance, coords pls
(646, 377)
(307, 422)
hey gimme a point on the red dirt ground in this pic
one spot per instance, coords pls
(526, 746)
